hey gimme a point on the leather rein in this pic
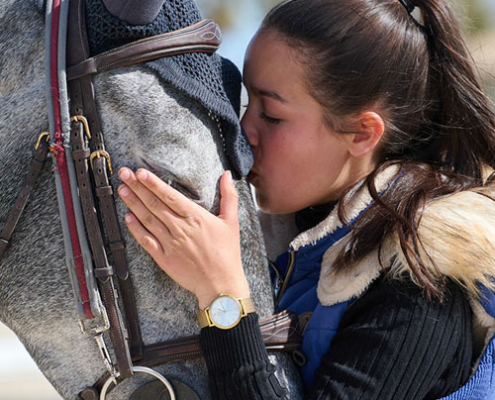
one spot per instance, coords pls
(93, 168)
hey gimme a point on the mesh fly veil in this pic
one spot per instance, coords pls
(210, 79)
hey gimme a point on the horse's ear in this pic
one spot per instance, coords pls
(134, 12)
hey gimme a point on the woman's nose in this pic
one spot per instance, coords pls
(250, 130)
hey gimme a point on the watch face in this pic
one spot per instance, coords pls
(225, 312)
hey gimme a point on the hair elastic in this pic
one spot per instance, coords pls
(414, 12)
(409, 6)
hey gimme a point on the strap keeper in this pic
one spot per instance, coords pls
(104, 191)
(103, 272)
(115, 246)
(37, 165)
(40, 156)
(81, 154)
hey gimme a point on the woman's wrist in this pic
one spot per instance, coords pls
(240, 292)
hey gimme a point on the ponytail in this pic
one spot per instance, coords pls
(464, 121)
(461, 130)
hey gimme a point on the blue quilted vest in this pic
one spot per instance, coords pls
(300, 296)
(481, 386)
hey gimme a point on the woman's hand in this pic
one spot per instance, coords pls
(198, 250)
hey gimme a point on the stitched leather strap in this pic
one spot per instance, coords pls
(35, 169)
(280, 333)
(203, 36)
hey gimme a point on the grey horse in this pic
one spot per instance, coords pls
(146, 123)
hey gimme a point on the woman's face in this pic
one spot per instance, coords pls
(298, 160)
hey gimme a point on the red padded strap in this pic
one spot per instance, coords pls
(59, 153)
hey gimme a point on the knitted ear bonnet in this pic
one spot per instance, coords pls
(409, 6)
(210, 79)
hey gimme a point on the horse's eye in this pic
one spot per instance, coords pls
(181, 188)
(171, 179)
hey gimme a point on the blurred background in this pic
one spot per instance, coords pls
(20, 379)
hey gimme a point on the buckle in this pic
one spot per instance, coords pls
(45, 135)
(107, 360)
(98, 154)
(98, 329)
(80, 118)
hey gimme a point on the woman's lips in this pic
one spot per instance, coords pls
(252, 177)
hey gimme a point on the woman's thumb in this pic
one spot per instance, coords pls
(229, 199)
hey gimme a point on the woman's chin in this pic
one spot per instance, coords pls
(269, 207)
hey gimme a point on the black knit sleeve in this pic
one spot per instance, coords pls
(395, 344)
(238, 364)
(392, 344)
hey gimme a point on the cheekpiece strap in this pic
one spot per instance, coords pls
(408, 5)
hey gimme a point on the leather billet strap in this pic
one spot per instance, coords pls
(35, 169)
(103, 271)
(106, 201)
(280, 333)
(203, 36)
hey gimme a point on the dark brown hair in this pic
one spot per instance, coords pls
(439, 127)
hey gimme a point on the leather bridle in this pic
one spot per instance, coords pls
(93, 167)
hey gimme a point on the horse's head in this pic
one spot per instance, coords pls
(157, 132)
(172, 116)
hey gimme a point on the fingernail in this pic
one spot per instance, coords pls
(124, 191)
(229, 177)
(128, 218)
(142, 175)
(124, 174)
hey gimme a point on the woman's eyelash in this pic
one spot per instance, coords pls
(269, 119)
(264, 116)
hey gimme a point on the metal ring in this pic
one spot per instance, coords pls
(144, 370)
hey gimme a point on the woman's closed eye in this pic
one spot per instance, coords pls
(269, 119)
(262, 115)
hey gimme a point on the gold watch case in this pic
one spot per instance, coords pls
(225, 312)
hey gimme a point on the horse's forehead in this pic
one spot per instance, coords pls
(162, 114)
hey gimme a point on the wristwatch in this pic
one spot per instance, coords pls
(225, 312)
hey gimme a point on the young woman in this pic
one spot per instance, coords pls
(373, 149)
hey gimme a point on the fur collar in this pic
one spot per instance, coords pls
(458, 236)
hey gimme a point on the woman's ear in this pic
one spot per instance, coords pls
(369, 130)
